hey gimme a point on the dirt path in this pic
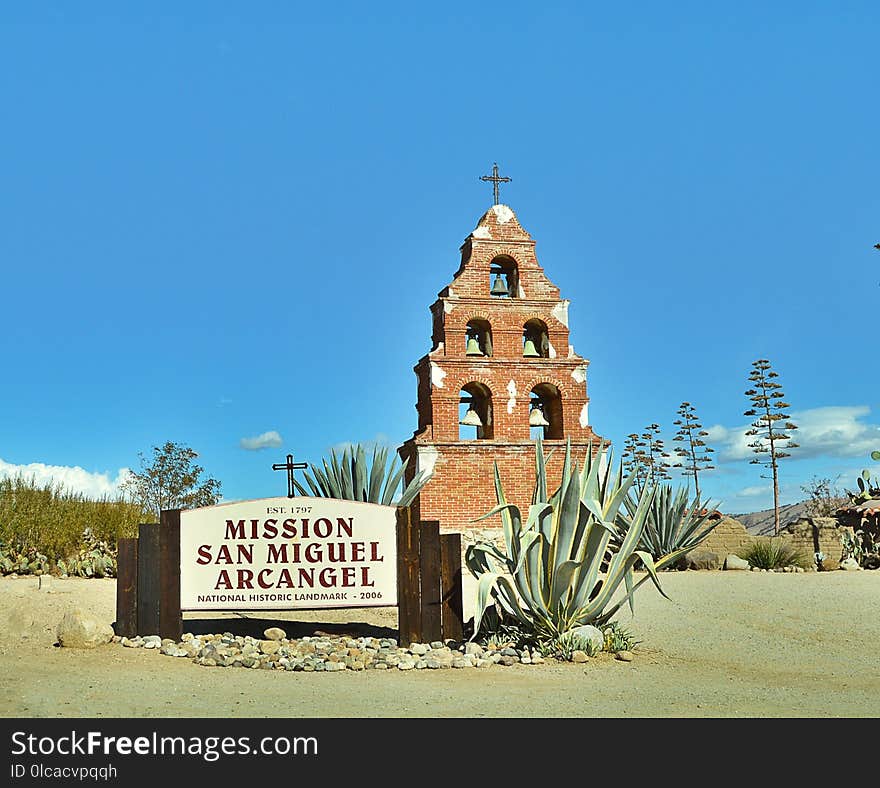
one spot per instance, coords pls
(728, 644)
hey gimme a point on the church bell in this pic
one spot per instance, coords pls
(499, 288)
(529, 349)
(473, 347)
(536, 417)
(471, 419)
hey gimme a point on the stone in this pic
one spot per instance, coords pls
(269, 646)
(510, 652)
(168, 649)
(579, 656)
(419, 649)
(593, 635)
(507, 660)
(337, 666)
(735, 562)
(405, 664)
(460, 663)
(624, 656)
(702, 559)
(850, 565)
(78, 630)
(473, 648)
(274, 633)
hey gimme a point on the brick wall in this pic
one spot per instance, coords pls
(806, 534)
(729, 536)
(463, 484)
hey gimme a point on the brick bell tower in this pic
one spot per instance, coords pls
(500, 372)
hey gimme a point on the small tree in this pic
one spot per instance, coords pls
(694, 454)
(771, 437)
(171, 481)
(825, 499)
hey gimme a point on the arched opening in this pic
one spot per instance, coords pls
(478, 341)
(475, 412)
(536, 341)
(504, 277)
(545, 412)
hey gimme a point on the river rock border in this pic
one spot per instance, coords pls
(329, 653)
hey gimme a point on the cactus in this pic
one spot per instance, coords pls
(22, 560)
(95, 559)
(869, 487)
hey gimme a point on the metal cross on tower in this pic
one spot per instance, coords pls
(496, 179)
(289, 466)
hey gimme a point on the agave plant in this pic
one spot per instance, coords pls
(351, 478)
(675, 526)
(553, 574)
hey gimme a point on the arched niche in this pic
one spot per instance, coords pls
(478, 338)
(545, 405)
(536, 340)
(504, 277)
(475, 412)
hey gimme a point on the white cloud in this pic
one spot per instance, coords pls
(268, 440)
(751, 492)
(73, 479)
(836, 431)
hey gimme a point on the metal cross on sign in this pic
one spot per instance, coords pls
(289, 466)
(496, 179)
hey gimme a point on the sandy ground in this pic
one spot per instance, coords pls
(727, 644)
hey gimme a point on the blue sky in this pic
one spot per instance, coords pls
(223, 225)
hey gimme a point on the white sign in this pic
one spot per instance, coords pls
(287, 553)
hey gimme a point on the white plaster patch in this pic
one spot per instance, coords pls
(447, 306)
(551, 351)
(584, 419)
(522, 293)
(481, 232)
(502, 213)
(560, 311)
(571, 353)
(580, 374)
(437, 376)
(511, 403)
(426, 459)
